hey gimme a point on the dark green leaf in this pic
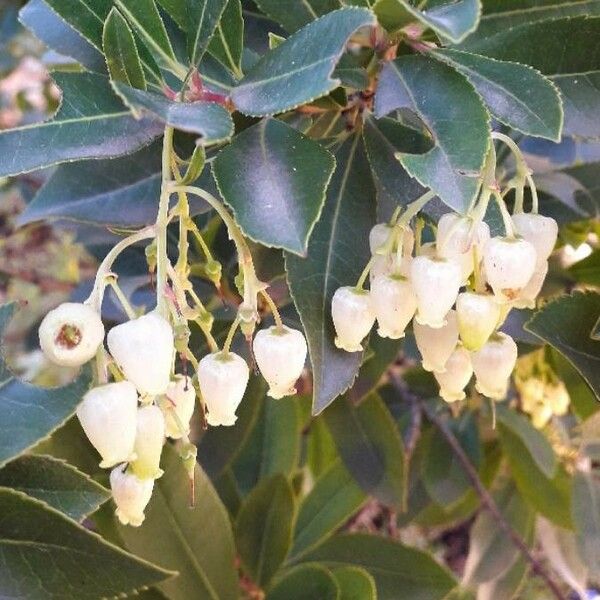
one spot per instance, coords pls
(177, 10)
(334, 498)
(586, 518)
(31, 413)
(305, 582)
(264, 528)
(337, 252)
(202, 19)
(91, 123)
(583, 401)
(211, 121)
(285, 78)
(321, 451)
(491, 551)
(452, 110)
(567, 324)
(294, 14)
(534, 440)
(56, 483)
(400, 572)
(195, 541)
(451, 19)
(355, 583)
(275, 180)
(227, 44)
(516, 95)
(83, 566)
(45, 24)
(121, 53)
(587, 271)
(370, 446)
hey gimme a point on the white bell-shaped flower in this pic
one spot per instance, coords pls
(353, 317)
(144, 349)
(437, 344)
(394, 303)
(179, 408)
(456, 376)
(149, 441)
(478, 316)
(223, 377)
(493, 366)
(280, 354)
(131, 495)
(457, 234)
(71, 334)
(436, 282)
(385, 265)
(108, 415)
(531, 291)
(538, 230)
(509, 265)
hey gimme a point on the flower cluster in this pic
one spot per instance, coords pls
(457, 291)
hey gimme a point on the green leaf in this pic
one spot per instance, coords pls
(227, 44)
(294, 14)
(505, 585)
(121, 53)
(452, 111)
(196, 541)
(491, 551)
(516, 95)
(203, 16)
(305, 582)
(451, 19)
(400, 572)
(587, 271)
(586, 518)
(534, 440)
(31, 413)
(370, 446)
(567, 324)
(91, 123)
(355, 583)
(34, 536)
(275, 180)
(583, 401)
(321, 452)
(263, 528)
(334, 498)
(285, 78)
(56, 483)
(211, 121)
(337, 252)
(177, 10)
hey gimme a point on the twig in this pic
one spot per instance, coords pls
(489, 503)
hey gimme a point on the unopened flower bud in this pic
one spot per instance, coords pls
(456, 376)
(353, 317)
(538, 230)
(394, 303)
(131, 495)
(280, 354)
(436, 282)
(144, 349)
(436, 345)
(509, 265)
(378, 236)
(531, 291)
(179, 407)
(223, 377)
(493, 366)
(478, 316)
(108, 416)
(149, 441)
(71, 334)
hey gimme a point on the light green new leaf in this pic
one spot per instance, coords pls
(263, 528)
(275, 180)
(227, 44)
(30, 413)
(195, 541)
(337, 252)
(203, 16)
(56, 483)
(294, 14)
(46, 555)
(452, 111)
(305, 582)
(91, 123)
(299, 70)
(516, 95)
(121, 53)
(355, 583)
